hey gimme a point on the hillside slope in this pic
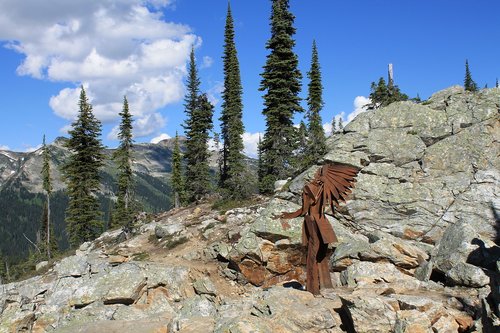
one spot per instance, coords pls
(418, 245)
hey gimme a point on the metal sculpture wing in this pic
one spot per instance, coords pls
(331, 185)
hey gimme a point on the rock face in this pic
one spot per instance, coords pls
(417, 251)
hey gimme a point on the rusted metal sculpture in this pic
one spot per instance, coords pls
(330, 185)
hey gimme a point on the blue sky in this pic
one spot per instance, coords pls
(140, 48)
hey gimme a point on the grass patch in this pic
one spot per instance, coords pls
(141, 256)
(171, 243)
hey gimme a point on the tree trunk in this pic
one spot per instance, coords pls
(177, 203)
(48, 226)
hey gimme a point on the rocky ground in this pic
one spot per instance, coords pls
(417, 252)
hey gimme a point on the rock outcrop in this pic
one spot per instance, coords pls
(417, 251)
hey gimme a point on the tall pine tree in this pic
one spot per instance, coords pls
(124, 210)
(48, 242)
(178, 185)
(81, 173)
(233, 167)
(197, 127)
(316, 145)
(281, 84)
(469, 83)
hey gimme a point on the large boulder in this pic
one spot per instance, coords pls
(423, 166)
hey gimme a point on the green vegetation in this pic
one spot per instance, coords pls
(125, 207)
(81, 173)
(383, 94)
(316, 146)
(47, 243)
(198, 124)
(178, 185)
(232, 180)
(469, 83)
(281, 86)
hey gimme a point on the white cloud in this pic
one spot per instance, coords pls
(214, 93)
(149, 124)
(359, 104)
(111, 48)
(207, 62)
(251, 142)
(2, 147)
(327, 127)
(65, 129)
(161, 137)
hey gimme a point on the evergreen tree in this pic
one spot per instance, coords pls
(382, 94)
(334, 126)
(81, 173)
(303, 158)
(48, 242)
(341, 124)
(178, 185)
(469, 83)
(281, 84)
(231, 178)
(496, 83)
(316, 146)
(197, 155)
(124, 210)
(260, 164)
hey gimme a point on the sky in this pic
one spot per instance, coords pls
(140, 48)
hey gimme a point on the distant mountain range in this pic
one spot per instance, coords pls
(22, 197)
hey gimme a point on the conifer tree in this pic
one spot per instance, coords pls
(260, 164)
(178, 185)
(81, 173)
(197, 154)
(334, 126)
(47, 239)
(281, 84)
(341, 124)
(496, 83)
(316, 146)
(124, 210)
(382, 94)
(302, 158)
(469, 83)
(197, 127)
(231, 178)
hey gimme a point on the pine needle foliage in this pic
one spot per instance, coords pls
(197, 154)
(124, 210)
(281, 84)
(48, 243)
(81, 174)
(232, 181)
(316, 134)
(178, 185)
(469, 83)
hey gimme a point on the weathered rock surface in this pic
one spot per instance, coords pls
(416, 249)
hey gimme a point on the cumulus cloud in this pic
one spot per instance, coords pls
(161, 137)
(111, 48)
(2, 147)
(359, 104)
(251, 142)
(327, 127)
(213, 94)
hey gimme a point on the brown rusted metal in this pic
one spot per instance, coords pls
(331, 185)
